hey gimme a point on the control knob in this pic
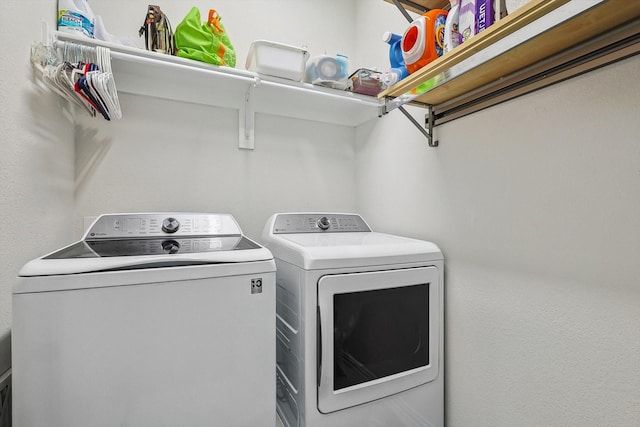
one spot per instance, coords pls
(170, 247)
(323, 223)
(170, 225)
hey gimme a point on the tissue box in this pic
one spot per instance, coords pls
(484, 15)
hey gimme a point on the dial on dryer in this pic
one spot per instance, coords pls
(323, 223)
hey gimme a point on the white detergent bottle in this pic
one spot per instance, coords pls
(451, 27)
(75, 16)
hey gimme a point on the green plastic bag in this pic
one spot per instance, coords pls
(204, 41)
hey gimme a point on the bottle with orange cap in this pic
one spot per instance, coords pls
(423, 41)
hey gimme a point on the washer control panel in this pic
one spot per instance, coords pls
(174, 224)
(319, 223)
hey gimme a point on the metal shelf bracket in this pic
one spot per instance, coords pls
(429, 120)
(428, 124)
(402, 10)
(246, 118)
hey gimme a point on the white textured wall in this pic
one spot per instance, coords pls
(536, 206)
(36, 160)
(165, 157)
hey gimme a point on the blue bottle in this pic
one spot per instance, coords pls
(395, 54)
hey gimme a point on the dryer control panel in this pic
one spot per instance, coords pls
(319, 223)
(162, 224)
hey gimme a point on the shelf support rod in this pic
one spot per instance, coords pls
(403, 10)
(429, 119)
(246, 118)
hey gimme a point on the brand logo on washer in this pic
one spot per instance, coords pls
(256, 285)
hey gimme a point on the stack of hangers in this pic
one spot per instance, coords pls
(81, 74)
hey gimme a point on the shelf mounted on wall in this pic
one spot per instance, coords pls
(398, 103)
(541, 43)
(145, 73)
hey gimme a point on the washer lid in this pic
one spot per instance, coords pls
(152, 246)
(150, 240)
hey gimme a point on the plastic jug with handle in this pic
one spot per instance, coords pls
(423, 41)
(76, 16)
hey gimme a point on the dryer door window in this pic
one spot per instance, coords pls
(379, 334)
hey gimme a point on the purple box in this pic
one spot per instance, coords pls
(484, 15)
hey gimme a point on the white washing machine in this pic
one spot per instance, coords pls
(152, 319)
(359, 324)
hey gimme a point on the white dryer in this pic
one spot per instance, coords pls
(359, 324)
(152, 319)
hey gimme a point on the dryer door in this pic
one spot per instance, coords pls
(379, 334)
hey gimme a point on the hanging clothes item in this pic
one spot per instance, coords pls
(204, 41)
(158, 35)
(81, 74)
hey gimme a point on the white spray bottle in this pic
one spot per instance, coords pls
(451, 27)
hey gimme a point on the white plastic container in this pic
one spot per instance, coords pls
(277, 59)
(76, 16)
